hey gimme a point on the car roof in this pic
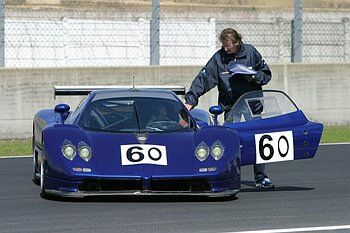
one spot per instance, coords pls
(132, 92)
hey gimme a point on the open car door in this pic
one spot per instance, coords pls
(272, 128)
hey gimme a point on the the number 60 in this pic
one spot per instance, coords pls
(262, 147)
(130, 154)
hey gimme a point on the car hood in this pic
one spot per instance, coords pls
(159, 154)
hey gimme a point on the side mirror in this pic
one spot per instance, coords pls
(216, 111)
(62, 109)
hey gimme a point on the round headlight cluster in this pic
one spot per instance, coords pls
(202, 151)
(68, 150)
(84, 151)
(216, 150)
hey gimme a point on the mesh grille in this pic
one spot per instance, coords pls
(158, 185)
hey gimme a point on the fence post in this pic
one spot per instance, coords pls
(2, 33)
(154, 33)
(141, 40)
(346, 33)
(65, 36)
(297, 31)
(212, 36)
(280, 30)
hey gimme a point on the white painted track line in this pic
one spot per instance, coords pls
(15, 157)
(304, 229)
(335, 144)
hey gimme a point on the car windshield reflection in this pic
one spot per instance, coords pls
(127, 115)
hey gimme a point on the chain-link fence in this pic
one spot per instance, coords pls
(57, 33)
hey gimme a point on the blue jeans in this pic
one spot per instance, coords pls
(259, 172)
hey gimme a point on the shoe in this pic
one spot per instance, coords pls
(265, 184)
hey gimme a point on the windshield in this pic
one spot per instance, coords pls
(261, 105)
(136, 115)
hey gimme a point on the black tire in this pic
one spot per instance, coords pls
(43, 165)
(35, 179)
(43, 194)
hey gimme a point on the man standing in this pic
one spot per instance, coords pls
(216, 73)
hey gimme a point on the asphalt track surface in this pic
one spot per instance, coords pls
(308, 193)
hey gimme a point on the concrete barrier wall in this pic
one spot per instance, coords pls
(321, 90)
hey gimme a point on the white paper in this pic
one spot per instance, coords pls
(241, 69)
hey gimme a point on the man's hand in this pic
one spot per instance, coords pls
(183, 123)
(188, 106)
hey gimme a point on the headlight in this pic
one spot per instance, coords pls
(202, 151)
(217, 150)
(68, 150)
(84, 151)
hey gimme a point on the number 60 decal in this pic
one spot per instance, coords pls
(274, 147)
(134, 154)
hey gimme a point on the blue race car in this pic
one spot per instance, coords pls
(129, 141)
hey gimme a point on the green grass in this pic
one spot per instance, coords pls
(331, 134)
(15, 147)
(334, 134)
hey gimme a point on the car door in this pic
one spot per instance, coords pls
(272, 128)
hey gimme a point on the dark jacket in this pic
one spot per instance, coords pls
(215, 73)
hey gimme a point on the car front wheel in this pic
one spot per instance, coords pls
(36, 172)
(43, 194)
